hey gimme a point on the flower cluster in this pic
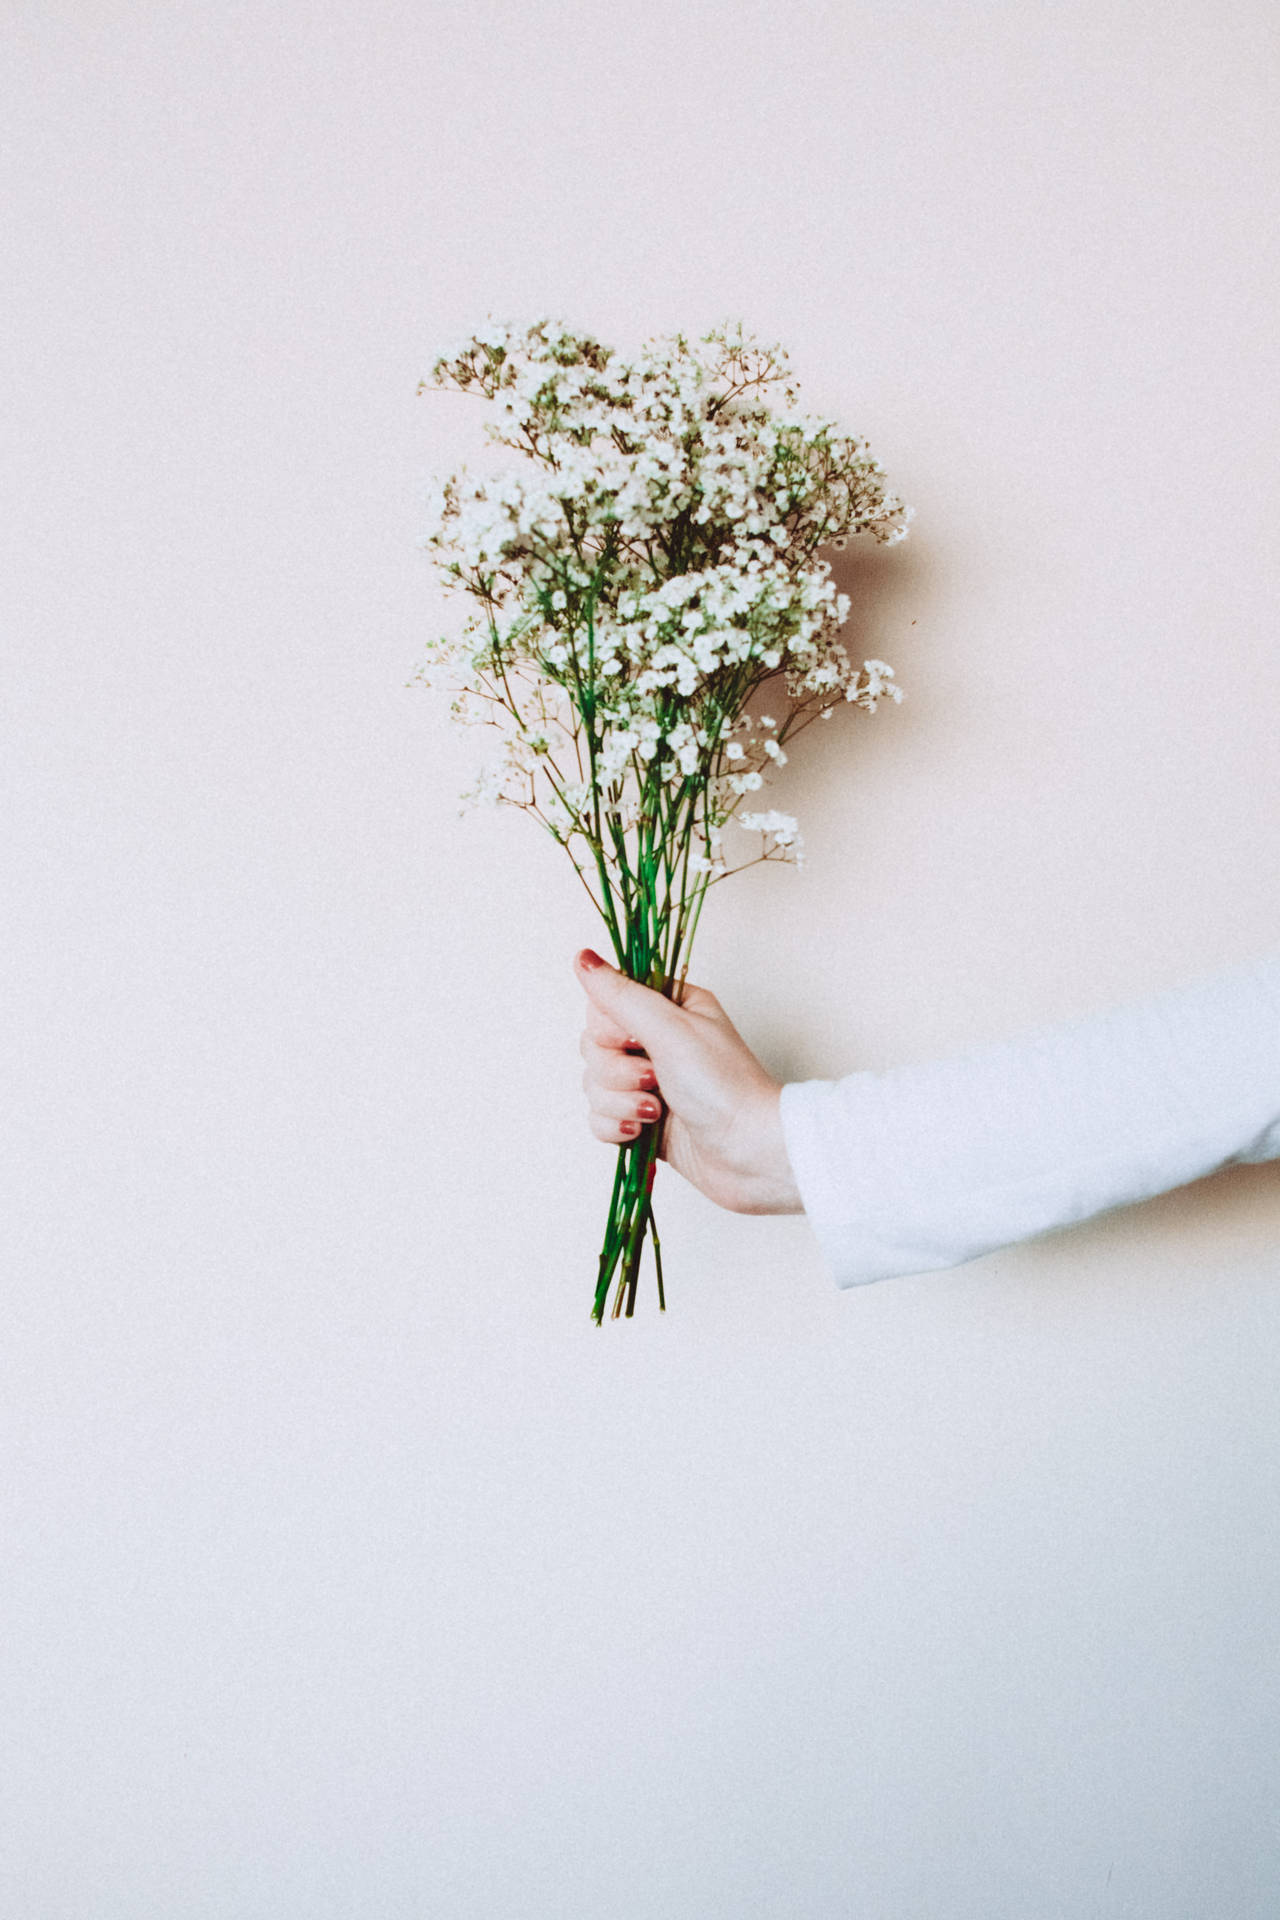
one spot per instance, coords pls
(650, 561)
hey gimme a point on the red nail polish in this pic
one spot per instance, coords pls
(590, 959)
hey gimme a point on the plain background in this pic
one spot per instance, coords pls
(348, 1569)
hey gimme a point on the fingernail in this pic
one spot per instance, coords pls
(648, 1078)
(628, 1126)
(590, 959)
(648, 1109)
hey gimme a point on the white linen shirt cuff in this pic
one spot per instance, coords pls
(927, 1166)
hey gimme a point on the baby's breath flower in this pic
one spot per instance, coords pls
(617, 658)
(780, 825)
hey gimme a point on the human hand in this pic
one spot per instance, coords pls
(722, 1129)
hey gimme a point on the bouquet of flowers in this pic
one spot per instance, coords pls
(641, 574)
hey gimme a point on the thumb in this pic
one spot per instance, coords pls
(639, 1012)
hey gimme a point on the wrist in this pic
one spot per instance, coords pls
(767, 1183)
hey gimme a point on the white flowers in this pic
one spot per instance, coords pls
(649, 559)
(778, 828)
(879, 676)
(782, 827)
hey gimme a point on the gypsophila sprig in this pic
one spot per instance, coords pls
(645, 568)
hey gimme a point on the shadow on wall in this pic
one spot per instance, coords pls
(1230, 1216)
(890, 591)
(887, 588)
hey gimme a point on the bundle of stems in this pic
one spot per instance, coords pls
(647, 570)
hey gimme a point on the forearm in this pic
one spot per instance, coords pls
(927, 1166)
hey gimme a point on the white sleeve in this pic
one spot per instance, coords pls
(927, 1166)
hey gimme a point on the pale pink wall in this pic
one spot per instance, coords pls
(350, 1570)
